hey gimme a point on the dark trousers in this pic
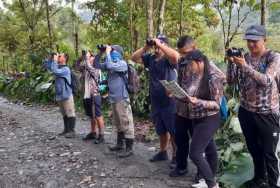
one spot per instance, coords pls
(262, 137)
(202, 143)
(183, 131)
(202, 131)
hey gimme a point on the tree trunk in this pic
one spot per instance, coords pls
(263, 12)
(161, 17)
(75, 33)
(181, 17)
(131, 24)
(150, 23)
(49, 24)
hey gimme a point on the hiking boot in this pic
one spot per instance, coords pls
(201, 184)
(70, 134)
(71, 125)
(90, 136)
(120, 143)
(100, 139)
(173, 163)
(160, 156)
(65, 123)
(178, 172)
(128, 149)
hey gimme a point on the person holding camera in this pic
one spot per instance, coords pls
(63, 91)
(163, 106)
(92, 98)
(257, 76)
(117, 68)
(203, 82)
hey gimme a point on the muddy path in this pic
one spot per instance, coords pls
(31, 155)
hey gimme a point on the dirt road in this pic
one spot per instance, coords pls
(31, 155)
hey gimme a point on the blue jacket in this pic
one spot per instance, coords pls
(116, 84)
(62, 90)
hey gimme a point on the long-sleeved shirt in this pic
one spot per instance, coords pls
(116, 84)
(89, 78)
(62, 90)
(258, 82)
(191, 84)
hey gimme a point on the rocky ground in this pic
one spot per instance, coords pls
(31, 155)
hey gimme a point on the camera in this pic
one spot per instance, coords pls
(101, 47)
(84, 52)
(150, 42)
(235, 52)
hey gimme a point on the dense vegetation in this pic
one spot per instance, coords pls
(30, 29)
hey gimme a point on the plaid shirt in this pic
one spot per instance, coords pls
(258, 82)
(190, 83)
(90, 87)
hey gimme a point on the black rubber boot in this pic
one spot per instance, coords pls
(128, 149)
(100, 139)
(65, 130)
(120, 143)
(71, 125)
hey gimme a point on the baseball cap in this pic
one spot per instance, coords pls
(162, 38)
(118, 48)
(255, 32)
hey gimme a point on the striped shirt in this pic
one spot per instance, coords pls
(258, 82)
(191, 82)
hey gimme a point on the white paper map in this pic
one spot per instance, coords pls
(175, 89)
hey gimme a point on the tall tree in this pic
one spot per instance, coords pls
(150, 22)
(263, 12)
(227, 9)
(161, 16)
(181, 17)
(49, 24)
(31, 12)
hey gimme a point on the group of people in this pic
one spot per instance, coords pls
(187, 124)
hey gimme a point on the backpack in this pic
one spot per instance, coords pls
(131, 79)
(75, 84)
(224, 109)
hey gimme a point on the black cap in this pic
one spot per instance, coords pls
(255, 32)
(195, 55)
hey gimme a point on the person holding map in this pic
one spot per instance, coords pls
(203, 82)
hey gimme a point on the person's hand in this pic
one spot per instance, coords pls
(55, 57)
(192, 100)
(239, 61)
(168, 93)
(108, 49)
(157, 42)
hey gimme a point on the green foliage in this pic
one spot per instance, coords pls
(238, 171)
(37, 88)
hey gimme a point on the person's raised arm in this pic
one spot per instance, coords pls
(137, 55)
(171, 54)
(97, 63)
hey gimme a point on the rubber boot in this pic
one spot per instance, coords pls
(71, 125)
(120, 143)
(65, 130)
(128, 149)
